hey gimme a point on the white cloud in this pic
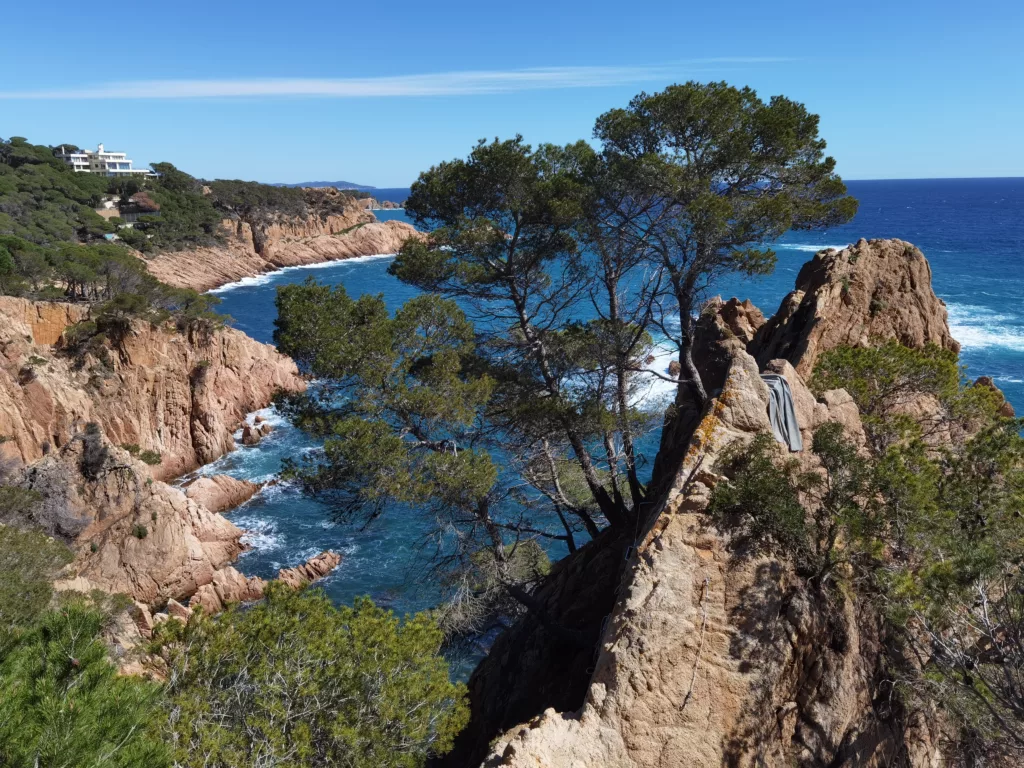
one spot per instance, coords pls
(438, 84)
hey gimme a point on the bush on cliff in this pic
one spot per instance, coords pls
(821, 520)
(903, 392)
(297, 681)
(930, 528)
(62, 702)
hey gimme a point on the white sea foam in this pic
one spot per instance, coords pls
(266, 277)
(810, 248)
(659, 392)
(978, 327)
(260, 534)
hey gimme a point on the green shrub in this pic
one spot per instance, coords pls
(373, 691)
(819, 521)
(151, 457)
(62, 702)
(140, 531)
(887, 378)
(29, 561)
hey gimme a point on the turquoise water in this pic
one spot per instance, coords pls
(971, 230)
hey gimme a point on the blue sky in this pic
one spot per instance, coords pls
(376, 92)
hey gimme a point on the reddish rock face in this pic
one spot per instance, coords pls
(315, 568)
(229, 586)
(875, 289)
(712, 656)
(131, 534)
(249, 249)
(220, 493)
(178, 395)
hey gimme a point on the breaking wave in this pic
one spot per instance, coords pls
(977, 327)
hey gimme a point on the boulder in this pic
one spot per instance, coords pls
(313, 569)
(178, 611)
(251, 435)
(143, 619)
(219, 493)
(228, 586)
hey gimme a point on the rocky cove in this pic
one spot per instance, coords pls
(153, 405)
(687, 642)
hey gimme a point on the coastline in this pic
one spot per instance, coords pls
(265, 277)
(249, 252)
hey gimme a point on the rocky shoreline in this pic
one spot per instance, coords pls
(100, 431)
(260, 245)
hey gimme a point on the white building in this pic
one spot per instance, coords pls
(102, 162)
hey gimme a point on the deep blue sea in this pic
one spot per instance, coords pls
(972, 231)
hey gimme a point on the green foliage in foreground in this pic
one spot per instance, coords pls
(295, 681)
(29, 561)
(63, 705)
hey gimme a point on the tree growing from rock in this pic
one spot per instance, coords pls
(518, 397)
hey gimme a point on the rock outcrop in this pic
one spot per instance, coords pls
(716, 656)
(229, 586)
(712, 654)
(263, 245)
(176, 394)
(143, 538)
(875, 289)
(130, 534)
(219, 493)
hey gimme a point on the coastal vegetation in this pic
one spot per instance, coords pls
(293, 681)
(927, 524)
(298, 681)
(509, 404)
(54, 245)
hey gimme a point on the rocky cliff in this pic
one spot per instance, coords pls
(140, 537)
(709, 654)
(254, 245)
(181, 395)
(878, 289)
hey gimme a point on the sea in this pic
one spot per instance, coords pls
(971, 230)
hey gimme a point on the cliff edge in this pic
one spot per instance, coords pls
(710, 654)
(181, 395)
